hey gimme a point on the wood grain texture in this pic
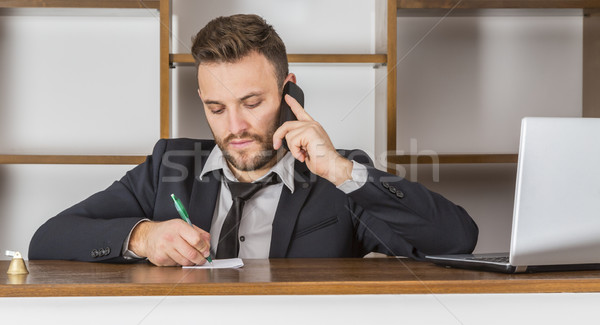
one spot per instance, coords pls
(337, 58)
(455, 159)
(280, 277)
(150, 4)
(306, 58)
(485, 4)
(72, 159)
(392, 77)
(591, 63)
(164, 68)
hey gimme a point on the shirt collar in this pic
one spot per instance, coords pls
(284, 168)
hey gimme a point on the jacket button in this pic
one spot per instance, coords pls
(385, 184)
(242, 238)
(400, 194)
(95, 253)
(393, 189)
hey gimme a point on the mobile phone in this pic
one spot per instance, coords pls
(285, 112)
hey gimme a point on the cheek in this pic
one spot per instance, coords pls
(270, 117)
(215, 124)
(266, 123)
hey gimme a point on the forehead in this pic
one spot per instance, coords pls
(236, 79)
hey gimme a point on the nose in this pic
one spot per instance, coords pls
(237, 121)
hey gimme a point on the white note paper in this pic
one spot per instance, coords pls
(229, 263)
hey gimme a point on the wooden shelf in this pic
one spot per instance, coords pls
(455, 159)
(500, 4)
(306, 58)
(71, 159)
(152, 4)
(591, 10)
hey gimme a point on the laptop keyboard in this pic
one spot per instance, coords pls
(500, 259)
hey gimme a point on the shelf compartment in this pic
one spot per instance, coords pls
(498, 4)
(71, 159)
(151, 4)
(306, 58)
(455, 159)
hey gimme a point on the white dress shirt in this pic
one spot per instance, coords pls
(259, 211)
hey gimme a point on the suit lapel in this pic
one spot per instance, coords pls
(288, 210)
(204, 198)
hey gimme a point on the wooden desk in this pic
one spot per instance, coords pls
(280, 277)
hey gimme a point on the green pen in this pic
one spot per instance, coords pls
(184, 215)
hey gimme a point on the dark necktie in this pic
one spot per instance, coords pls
(229, 245)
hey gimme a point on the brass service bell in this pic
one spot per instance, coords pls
(17, 264)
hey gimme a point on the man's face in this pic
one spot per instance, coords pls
(241, 101)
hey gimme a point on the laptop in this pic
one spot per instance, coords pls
(556, 217)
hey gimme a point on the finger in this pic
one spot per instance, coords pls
(297, 109)
(188, 255)
(163, 259)
(197, 240)
(282, 132)
(178, 259)
(297, 143)
(184, 254)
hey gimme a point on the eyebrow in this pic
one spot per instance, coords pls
(250, 95)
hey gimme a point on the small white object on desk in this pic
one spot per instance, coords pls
(229, 263)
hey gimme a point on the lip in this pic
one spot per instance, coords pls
(240, 143)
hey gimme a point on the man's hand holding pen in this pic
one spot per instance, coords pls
(169, 243)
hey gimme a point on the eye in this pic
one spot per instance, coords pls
(216, 109)
(253, 105)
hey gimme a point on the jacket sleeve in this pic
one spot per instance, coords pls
(95, 229)
(398, 217)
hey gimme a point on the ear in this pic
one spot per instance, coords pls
(290, 77)
(199, 93)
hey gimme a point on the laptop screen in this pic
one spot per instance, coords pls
(557, 198)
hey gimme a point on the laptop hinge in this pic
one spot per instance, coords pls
(521, 268)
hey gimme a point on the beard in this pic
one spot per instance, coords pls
(247, 160)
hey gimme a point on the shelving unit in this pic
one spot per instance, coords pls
(307, 58)
(76, 159)
(454, 159)
(497, 4)
(141, 4)
(591, 64)
(71, 159)
(167, 59)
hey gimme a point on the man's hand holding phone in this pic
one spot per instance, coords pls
(309, 143)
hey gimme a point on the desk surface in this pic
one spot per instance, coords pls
(280, 276)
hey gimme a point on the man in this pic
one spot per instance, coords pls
(312, 201)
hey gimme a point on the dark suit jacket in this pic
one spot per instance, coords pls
(388, 214)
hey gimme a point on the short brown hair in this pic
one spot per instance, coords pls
(229, 39)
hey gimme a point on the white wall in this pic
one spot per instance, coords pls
(76, 81)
